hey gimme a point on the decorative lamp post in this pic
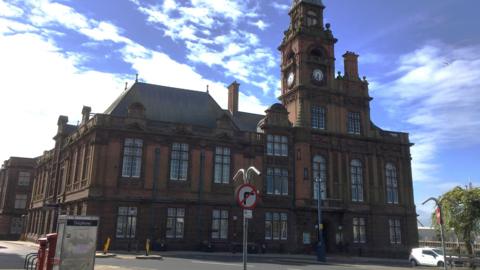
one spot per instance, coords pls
(321, 243)
(438, 212)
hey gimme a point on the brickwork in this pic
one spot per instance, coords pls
(16, 178)
(92, 169)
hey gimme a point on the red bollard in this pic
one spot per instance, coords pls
(42, 253)
(52, 245)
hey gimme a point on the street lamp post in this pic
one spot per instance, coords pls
(320, 244)
(246, 180)
(442, 233)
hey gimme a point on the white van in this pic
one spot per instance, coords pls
(426, 256)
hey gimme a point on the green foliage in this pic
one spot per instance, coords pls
(461, 212)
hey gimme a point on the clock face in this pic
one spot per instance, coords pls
(290, 79)
(317, 75)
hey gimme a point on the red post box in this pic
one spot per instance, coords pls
(42, 253)
(52, 245)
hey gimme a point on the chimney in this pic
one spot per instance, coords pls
(233, 97)
(86, 114)
(62, 123)
(351, 65)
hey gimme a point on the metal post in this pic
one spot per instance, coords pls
(245, 241)
(441, 230)
(246, 179)
(320, 244)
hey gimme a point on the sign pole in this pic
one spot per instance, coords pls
(245, 236)
(246, 196)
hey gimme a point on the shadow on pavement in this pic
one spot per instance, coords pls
(11, 261)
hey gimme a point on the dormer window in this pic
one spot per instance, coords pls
(312, 18)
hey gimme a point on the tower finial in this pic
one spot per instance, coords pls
(126, 86)
(136, 78)
(208, 89)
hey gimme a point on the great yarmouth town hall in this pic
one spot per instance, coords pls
(159, 162)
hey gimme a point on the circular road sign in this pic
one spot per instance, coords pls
(247, 196)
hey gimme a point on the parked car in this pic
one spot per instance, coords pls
(426, 256)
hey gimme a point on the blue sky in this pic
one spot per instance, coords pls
(422, 59)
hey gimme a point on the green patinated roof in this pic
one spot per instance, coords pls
(174, 105)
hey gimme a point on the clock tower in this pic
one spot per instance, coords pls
(308, 61)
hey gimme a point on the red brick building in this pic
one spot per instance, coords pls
(158, 162)
(16, 180)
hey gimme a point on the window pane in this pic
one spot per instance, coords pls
(121, 223)
(284, 185)
(218, 174)
(170, 227)
(269, 184)
(179, 228)
(268, 229)
(122, 210)
(216, 214)
(225, 214)
(270, 149)
(133, 227)
(224, 229)
(215, 228)
(283, 234)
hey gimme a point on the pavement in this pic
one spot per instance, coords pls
(13, 254)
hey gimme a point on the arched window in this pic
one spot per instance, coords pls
(319, 172)
(392, 183)
(317, 52)
(312, 18)
(356, 174)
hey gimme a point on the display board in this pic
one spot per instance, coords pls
(76, 243)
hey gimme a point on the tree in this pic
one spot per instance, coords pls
(461, 212)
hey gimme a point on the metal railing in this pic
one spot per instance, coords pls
(448, 245)
(30, 261)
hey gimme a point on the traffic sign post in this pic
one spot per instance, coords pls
(247, 197)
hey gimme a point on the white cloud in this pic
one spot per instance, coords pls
(9, 10)
(159, 68)
(42, 80)
(39, 83)
(260, 24)
(438, 92)
(8, 26)
(209, 31)
(43, 13)
(280, 7)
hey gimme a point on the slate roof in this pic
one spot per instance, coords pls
(247, 121)
(175, 105)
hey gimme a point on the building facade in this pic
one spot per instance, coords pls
(16, 180)
(159, 162)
